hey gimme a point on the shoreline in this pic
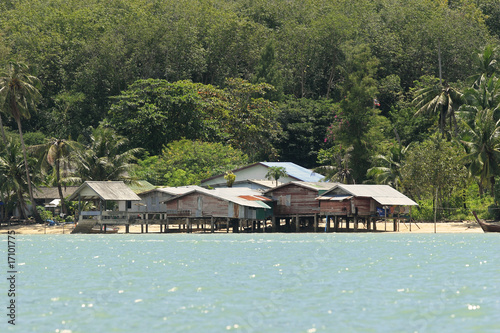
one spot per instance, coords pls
(419, 227)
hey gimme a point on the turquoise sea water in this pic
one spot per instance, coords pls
(255, 283)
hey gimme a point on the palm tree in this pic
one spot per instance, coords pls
(56, 153)
(339, 169)
(486, 64)
(276, 172)
(482, 142)
(19, 93)
(106, 157)
(12, 174)
(390, 170)
(440, 99)
(483, 95)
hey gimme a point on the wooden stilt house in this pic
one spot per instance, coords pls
(362, 202)
(297, 201)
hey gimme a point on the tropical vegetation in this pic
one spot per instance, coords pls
(404, 93)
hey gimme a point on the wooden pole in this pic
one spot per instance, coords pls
(385, 218)
(315, 222)
(212, 224)
(356, 223)
(297, 223)
(410, 218)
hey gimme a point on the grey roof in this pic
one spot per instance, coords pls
(316, 186)
(105, 190)
(53, 192)
(172, 190)
(383, 194)
(236, 195)
(296, 171)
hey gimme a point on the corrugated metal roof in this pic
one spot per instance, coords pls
(106, 190)
(296, 171)
(383, 194)
(335, 197)
(315, 186)
(235, 195)
(140, 186)
(254, 198)
(172, 190)
(53, 192)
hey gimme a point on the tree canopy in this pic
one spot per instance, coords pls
(335, 84)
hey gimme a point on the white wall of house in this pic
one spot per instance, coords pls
(257, 171)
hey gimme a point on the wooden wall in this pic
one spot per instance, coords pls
(210, 206)
(295, 200)
(364, 206)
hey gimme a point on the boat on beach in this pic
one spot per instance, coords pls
(487, 227)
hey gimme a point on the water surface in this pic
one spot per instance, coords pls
(256, 283)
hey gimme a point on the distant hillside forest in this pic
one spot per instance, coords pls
(395, 92)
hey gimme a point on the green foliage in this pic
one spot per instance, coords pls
(149, 110)
(303, 132)
(230, 178)
(186, 162)
(357, 114)
(434, 169)
(264, 77)
(105, 157)
(276, 172)
(44, 214)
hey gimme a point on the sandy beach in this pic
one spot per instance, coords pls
(419, 227)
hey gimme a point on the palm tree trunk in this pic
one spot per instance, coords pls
(492, 180)
(38, 219)
(22, 204)
(58, 176)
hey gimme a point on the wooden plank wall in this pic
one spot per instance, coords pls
(335, 207)
(345, 207)
(211, 206)
(300, 201)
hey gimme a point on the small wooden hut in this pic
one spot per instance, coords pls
(234, 206)
(361, 202)
(102, 192)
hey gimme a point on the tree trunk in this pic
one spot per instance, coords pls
(61, 197)
(22, 205)
(492, 180)
(38, 219)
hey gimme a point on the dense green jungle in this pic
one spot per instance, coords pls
(404, 93)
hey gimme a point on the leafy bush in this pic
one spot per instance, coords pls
(44, 214)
